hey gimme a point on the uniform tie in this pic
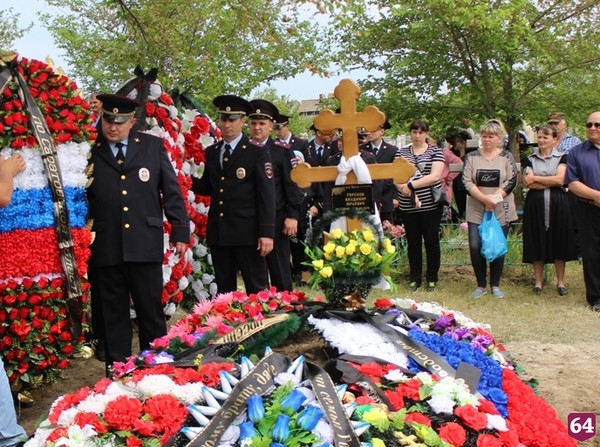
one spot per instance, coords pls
(320, 152)
(120, 155)
(226, 154)
(375, 149)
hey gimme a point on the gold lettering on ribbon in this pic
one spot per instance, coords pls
(249, 329)
(65, 240)
(427, 361)
(342, 438)
(258, 381)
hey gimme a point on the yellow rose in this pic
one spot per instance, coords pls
(350, 249)
(340, 251)
(327, 256)
(365, 249)
(368, 235)
(336, 233)
(386, 243)
(377, 258)
(318, 264)
(326, 272)
(329, 248)
(353, 242)
(390, 249)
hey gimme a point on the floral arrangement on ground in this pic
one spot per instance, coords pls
(397, 378)
(349, 261)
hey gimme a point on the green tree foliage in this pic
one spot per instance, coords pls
(205, 48)
(9, 29)
(287, 106)
(482, 58)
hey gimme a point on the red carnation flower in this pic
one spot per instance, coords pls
(486, 440)
(472, 417)
(453, 434)
(123, 412)
(417, 417)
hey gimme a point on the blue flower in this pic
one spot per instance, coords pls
(256, 409)
(453, 351)
(247, 431)
(293, 401)
(281, 431)
(309, 417)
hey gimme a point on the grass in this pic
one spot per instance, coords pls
(521, 315)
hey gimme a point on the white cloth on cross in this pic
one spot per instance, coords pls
(363, 177)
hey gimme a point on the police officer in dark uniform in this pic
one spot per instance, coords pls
(288, 196)
(320, 148)
(238, 177)
(285, 136)
(133, 184)
(384, 191)
(298, 146)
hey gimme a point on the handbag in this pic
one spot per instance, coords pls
(493, 240)
(438, 193)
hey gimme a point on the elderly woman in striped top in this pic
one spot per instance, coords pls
(421, 214)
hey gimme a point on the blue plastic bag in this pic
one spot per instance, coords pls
(493, 240)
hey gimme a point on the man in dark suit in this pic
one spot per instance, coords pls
(133, 184)
(299, 147)
(384, 191)
(288, 196)
(238, 177)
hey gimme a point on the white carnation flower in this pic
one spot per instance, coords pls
(442, 404)
(497, 422)
(183, 283)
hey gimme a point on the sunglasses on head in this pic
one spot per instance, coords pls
(590, 125)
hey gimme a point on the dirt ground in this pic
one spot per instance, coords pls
(567, 375)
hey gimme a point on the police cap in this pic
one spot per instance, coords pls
(117, 108)
(263, 109)
(232, 107)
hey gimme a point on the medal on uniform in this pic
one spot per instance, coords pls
(144, 174)
(240, 173)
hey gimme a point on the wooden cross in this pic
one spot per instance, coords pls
(349, 120)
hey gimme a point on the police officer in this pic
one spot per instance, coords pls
(288, 196)
(238, 177)
(133, 184)
(299, 147)
(285, 137)
(384, 191)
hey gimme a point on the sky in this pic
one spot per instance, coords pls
(39, 44)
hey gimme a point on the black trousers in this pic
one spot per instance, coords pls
(227, 261)
(113, 288)
(588, 221)
(479, 263)
(423, 227)
(278, 261)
